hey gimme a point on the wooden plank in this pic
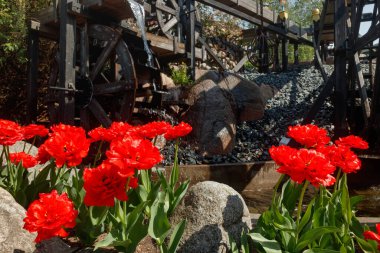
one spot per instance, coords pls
(375, 109)
(113, 87)
(240, 64)
(358, 75)
(247, 16)
(32, 85)
(340, 36)
(190, 39)
(372, 34)
(67, 63)
(211, 53)
(321, 23)
(362, 89)
(285, 54)
(319, 62)
(99, 113)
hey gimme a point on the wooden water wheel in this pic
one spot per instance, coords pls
(173, 18)
(105, 86)
(260, 50)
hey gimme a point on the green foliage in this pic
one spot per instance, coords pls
(305, 53)
(327, 225)
(13, 29)
(180, 76)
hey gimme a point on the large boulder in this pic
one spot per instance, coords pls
(268, 91)
(213, 212)
(13, 238)
(212, 117)
(247, 95)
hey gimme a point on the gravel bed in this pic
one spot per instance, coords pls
(297, 90)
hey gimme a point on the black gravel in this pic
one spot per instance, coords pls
(297, 90)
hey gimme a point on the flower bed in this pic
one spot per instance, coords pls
(114, 195)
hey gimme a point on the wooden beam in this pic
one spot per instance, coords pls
(211, 53)
(252, 19)
(67, 63)
(296, 54)
(32, 86)
(319, 62)
(340, 36)
(372, 34)
(375, 109)
(240, 64)
(285, 54)
(321, 22)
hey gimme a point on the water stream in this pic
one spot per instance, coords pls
(139, 13)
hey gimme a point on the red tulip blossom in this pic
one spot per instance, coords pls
(131, 153)
(342, 157)
(10, 132)
(67, 144)
(180, 130)
(306, 165)
(153, 129)
(27, 160)
(103, 184)
(33, 130)
(100, 134)
(50, 215)
(309, 135)
(119, 129)
(352, 141)
(370, 235)
(282, 155)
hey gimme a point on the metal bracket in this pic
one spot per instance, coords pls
(75, 7)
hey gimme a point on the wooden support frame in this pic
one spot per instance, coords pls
(67, 39)
(190, 39)
(340, 94)
(285, 53)
(211, 53)
(32, 85)
(296, 54)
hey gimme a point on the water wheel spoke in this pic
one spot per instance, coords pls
(174, 3)
(169, 24)
(166, 9)
(113, 87)
(104, 56)
(99, 113)
(127, 105)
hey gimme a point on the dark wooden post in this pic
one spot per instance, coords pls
(296, 54)
(340, 36)
(190, 39)
(32, 86)
(276, 61)
(316, 37)
(263, 53)
(66, 63)
(284, 51)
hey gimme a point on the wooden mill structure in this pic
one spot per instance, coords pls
(356, 104)
(105, 68)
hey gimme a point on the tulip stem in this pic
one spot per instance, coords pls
(337, 179)
(299, 208)
(98, 154)
(276, 187)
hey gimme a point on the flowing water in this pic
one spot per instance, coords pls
(139, 12)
